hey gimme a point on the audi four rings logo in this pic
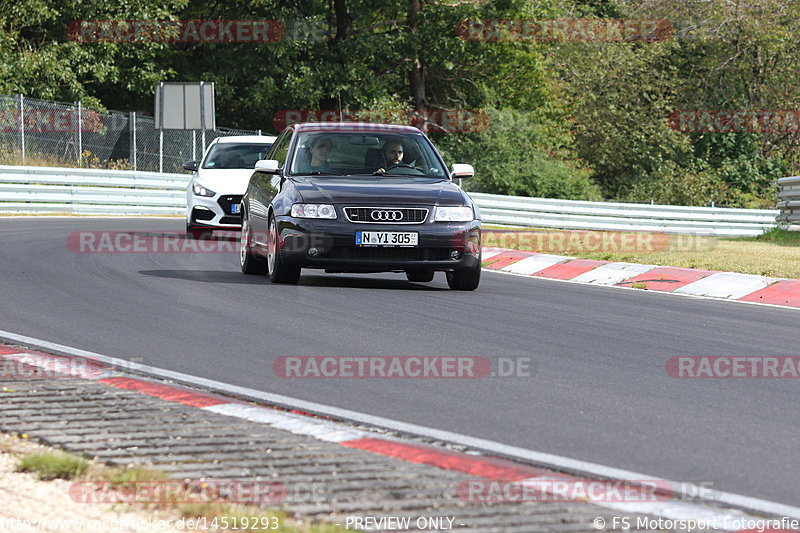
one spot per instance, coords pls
(387, 215)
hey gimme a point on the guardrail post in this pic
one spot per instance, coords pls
(80, 137)
(133, 138)
(161, 150)
(22, 125)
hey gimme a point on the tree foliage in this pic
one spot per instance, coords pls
(731, 55)
(39, 59)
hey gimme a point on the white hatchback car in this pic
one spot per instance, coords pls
(214, 195)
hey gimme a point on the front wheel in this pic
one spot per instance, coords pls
(467, 279)
(250, 263)
(277, 270)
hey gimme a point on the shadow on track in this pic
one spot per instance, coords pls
(349, 282)
(208, 276)
(364, 282)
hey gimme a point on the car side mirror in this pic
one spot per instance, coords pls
(190, 165)
(267, 166)
(462, 171)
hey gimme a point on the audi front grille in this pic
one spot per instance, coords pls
(386, 215)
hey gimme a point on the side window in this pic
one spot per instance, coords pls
(281, 148)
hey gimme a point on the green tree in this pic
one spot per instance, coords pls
(39, 58)
(513, 157)
(723, 56)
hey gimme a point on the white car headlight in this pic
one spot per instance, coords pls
(313, 211)
(199, 190)
(461, 213)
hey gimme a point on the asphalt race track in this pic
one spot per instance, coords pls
(599, 391)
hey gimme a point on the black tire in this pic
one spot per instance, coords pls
(250, 262)
(197, 234)
(277, 270)
(467, 279)
(421, 276)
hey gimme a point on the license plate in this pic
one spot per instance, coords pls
(236, 208)
(386, 238)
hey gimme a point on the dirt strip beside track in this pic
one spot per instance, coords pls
(321, 480)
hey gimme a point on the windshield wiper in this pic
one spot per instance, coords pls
(326, 172)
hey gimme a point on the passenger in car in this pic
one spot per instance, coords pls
(320, 152)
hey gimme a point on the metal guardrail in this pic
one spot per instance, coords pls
(789, 201)
(612, 216)
(125, 192)
(84, 191)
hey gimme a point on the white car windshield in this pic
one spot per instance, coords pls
(235, 155)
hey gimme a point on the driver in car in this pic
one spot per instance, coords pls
(392, 155)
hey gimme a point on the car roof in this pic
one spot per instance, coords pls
(255, 139)
(355, 126)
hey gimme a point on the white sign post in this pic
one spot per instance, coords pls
(185, 106)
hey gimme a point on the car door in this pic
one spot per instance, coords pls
(264, 186)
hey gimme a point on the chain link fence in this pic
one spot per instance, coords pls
(60, 134)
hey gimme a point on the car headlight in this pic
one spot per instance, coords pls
(313, 211)
(461, 213)
(199, 190)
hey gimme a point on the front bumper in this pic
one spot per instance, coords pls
(330, 245)
(214, 212)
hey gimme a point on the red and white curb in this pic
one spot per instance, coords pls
(675, 280)
(311, 420)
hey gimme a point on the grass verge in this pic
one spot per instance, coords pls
(53, 464)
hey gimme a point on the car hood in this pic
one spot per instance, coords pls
(383, 190)
(225, 181)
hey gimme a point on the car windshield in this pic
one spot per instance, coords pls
(235, 155)
(370, 153)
